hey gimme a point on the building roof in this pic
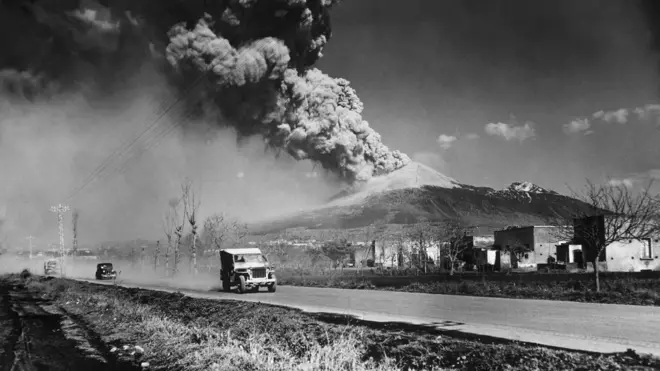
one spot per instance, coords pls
(482, 242)
(243, 251)
(533, 226)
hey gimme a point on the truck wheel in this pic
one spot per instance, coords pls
(241, 284)
(226, 286)
(273, 287)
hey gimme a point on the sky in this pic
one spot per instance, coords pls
(495, 92)
(487, 92)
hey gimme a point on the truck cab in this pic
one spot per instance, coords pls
(246, 268)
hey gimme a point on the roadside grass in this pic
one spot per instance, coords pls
(182, 333)
(614, 290)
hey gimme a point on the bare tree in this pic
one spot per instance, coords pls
(214, 233)
(422, 236)
(169, 227)
(221, 232)
(616, 213)
(190, 208)
(382, 237)
(181, 224)
(156, 254)
(336, 250)
(453, 235)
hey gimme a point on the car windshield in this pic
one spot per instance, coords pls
(251, 258)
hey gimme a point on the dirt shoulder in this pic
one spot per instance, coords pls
(181, 333)
(615, 289)
(37, 335)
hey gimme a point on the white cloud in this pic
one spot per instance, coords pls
(646, 113)
(627, 182)
(240, 175)
(619, 116)
(472, 136)
(649, 112)
(511, 132)
(578, 126)
(311, 174)
(643, 179)
(446, 141)
(431, 159)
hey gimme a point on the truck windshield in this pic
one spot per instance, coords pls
(250, 258)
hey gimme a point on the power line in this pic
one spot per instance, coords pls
(98, 172)
(157, 140)
(118, 152)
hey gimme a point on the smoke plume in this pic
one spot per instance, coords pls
(86, 75)
(256, 59)
(264, 86)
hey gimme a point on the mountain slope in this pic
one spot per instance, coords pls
(418, 193)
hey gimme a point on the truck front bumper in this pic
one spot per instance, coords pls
(252, 282)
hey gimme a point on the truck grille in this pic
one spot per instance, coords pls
(259, 273)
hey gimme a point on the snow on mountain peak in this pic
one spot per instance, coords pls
(521, 191)
(527, 187)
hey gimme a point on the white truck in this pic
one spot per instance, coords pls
(246, 268)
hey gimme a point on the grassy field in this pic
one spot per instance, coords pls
(182, 333)
(616, 288)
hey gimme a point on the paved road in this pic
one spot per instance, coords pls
(592, 327)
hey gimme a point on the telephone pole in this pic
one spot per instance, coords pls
(60, 210)
(30, 238)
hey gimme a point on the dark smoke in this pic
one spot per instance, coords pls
(256, 56)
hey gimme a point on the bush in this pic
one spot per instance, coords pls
(25, 274)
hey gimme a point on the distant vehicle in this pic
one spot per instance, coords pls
(246, 268)
(104, 271)
(50, 267)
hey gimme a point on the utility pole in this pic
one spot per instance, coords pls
(60, 210)
(30, 238)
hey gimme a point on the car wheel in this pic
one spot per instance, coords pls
(241, 284)
(272, 287)
(226, 286)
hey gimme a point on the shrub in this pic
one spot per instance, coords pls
(25, 274)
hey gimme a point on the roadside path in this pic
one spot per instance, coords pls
(37, 336)
(592, 327)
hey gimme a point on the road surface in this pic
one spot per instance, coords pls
(581, 326)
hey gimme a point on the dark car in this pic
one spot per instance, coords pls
(104, 271)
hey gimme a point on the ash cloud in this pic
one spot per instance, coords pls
(262, 86)
(257, 58)
(87, 75)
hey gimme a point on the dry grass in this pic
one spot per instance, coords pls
(191, 347)
(182, 333)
